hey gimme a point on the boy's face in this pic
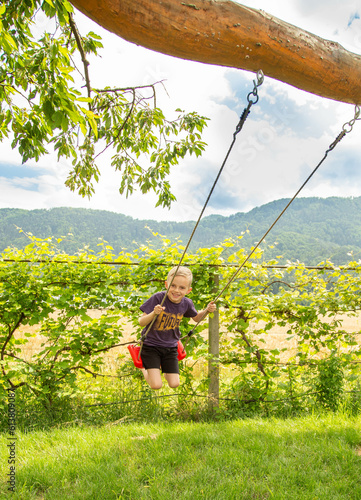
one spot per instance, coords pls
(178, 289)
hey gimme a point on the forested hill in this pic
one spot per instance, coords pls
(312, 229)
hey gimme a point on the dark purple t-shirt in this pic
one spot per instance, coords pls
(165, 330)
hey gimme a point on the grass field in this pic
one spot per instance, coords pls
(315, 457)
(310, 458)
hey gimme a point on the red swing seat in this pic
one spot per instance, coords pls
(138, 363)
(134, 352)
(181, 351)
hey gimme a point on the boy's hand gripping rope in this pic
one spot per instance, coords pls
(252, 98)
(346, 128)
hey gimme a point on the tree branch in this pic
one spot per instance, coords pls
(79, 44)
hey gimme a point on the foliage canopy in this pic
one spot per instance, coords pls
(43, 104)
(41, 285)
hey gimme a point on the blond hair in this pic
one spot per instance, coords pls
(180, 271)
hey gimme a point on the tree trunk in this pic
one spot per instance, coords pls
(229, 34)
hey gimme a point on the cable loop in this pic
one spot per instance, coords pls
(340, 136)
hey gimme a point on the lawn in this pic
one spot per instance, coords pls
(303, 458)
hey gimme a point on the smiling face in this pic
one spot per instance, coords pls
(178, 289)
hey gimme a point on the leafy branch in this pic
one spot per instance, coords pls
(80, 127)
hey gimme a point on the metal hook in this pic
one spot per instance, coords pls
(260, 78)
(357, 112)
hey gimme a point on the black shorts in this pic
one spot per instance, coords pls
(165, 358)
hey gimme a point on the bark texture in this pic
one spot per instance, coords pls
(228, 34)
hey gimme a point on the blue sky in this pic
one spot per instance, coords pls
(285, 136)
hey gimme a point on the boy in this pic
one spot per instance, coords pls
(159, 349)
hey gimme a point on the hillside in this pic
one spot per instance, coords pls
(311, 230)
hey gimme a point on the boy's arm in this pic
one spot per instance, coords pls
(202, 314)
(145, 319)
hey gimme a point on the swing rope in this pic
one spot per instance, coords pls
(340, 136)
(252, 98)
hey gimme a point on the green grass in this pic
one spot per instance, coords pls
(303, 458)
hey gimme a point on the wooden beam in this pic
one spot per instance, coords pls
(229, 34)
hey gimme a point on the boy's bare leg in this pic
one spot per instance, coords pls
(172, 379)
(153, 377)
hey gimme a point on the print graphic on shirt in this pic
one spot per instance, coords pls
(168, 321)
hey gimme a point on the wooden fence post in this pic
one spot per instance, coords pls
(213, 351)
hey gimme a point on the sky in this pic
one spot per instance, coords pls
(284, 138)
